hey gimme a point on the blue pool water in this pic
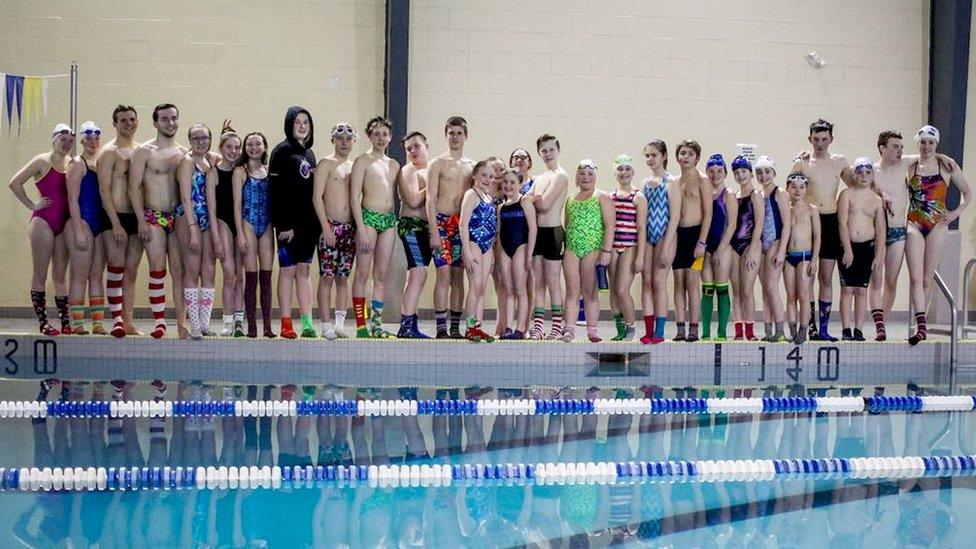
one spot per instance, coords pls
(794, 512)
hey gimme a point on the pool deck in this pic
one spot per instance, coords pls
(460, 363)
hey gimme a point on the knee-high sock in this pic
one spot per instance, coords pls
(39, 302)
(61, 301)
(77, 309)
(707, 305)
(359, 309)
(113, 290)
(724, 307)
(251, 300)
(191, 297)
(157, 301)
(97, 305)
(265, 277)
(206, 303)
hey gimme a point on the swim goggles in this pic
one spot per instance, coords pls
(343, 129)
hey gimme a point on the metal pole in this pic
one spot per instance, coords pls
(73, 100)
(967, 273)
(954, 327)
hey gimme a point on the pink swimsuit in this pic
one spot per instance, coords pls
(54, 185)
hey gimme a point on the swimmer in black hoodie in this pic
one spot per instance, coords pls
(297, 228)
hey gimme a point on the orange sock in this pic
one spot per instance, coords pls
(359, 308)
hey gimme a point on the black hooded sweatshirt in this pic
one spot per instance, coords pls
(291, 172)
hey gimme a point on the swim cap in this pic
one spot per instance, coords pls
(89, 127)
(765, 162)
(343, 128)
(862, 162)
(930, 132)
(741, 163)
(62, 128)
(622, 160)
(716, 160)
(586, 163)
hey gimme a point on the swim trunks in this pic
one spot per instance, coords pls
(381, 221)
(337, 260)
(549, 243)
(795, 258)
(198, 195)
(658, 210)
(687, 240)
(584, 228)
(895, 235)
(830, 247)
(129, 222)
(164, 220)
(858, 275)
(514, 229)
(625, 221)
(415, 235)
(449, 230)
(483, 225)
(256, 208)
(54, 185)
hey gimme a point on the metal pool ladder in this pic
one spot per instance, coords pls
(953, 322)
(966, 277)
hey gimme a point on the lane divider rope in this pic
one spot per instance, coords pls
(176, 478)
(480, 407)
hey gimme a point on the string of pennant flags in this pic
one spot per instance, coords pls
(25, 96)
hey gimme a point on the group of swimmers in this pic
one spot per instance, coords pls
(187, 207)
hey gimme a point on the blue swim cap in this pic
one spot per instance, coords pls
(741, 162)
(716, 160)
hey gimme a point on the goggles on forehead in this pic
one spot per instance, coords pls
(342, 130)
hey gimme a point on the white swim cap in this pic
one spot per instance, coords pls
(62, 128)
(89, 127)
(927, 131)
(764, 162)
(862, 162)
(586, 163)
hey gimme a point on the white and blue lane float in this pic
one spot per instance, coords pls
(76, 479)
(481, 407)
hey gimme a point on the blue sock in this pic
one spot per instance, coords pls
(824, 307)
(659, 323)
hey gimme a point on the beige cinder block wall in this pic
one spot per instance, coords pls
(606, 76)
(247, 61)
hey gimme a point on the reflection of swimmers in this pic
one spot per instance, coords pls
(49, 217)
(155, 199)
(862, 233)
(589, 239)
(337, 245)
(84, 235)
(201, 241)
(479, 227)
(929, 217)
(447, 180)
(252, 215)
(123, 248)
(290, 172)
(801, 256)
(414, 231)
(717, 267)
(374, 180)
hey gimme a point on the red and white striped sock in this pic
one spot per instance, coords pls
(157, 301)
(113, 290)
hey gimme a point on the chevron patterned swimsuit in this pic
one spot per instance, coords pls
(658, 209)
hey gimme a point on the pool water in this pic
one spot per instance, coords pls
(793, 512)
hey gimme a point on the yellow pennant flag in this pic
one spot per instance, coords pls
(32, 98)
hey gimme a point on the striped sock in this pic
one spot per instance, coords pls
(440, 319)
(98, 309)
(113, 290)
(77, 311)
(538, 322)
(359, 309)
(157, 301)
(879, 325)
(557, 322)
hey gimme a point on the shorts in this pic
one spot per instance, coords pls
(895, 235)
(549, 242)
(686, 241)
(830, 247)
(448, 227)
(415, 236)
(795, 258)
(300, 249)
(858, 275)
(129, 223)
(337, 260)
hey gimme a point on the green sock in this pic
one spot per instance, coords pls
(618, 322)
(707, 304)
(724, 306)
(307, 323)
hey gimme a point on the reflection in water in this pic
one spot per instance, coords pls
(799, 513)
